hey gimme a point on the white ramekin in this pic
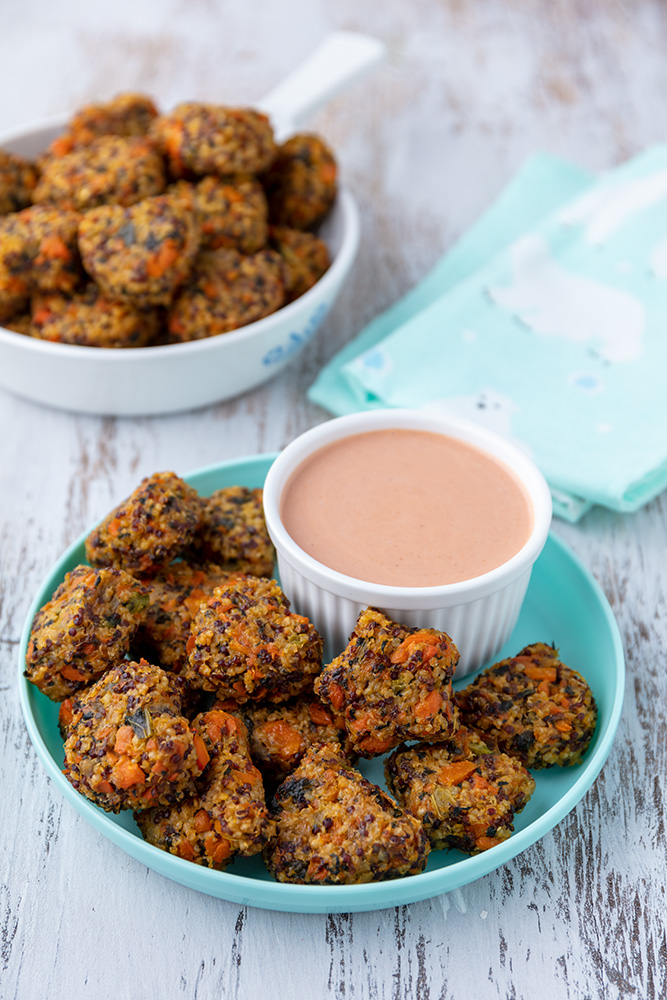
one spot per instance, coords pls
(479, 614)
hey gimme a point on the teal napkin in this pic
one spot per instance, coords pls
(546, 322)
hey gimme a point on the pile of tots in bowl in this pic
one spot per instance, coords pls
(136, 229)
(191, 694)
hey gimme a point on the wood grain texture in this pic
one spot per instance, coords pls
(470, 89)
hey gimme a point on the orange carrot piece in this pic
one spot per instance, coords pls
(336, 696)
(54, 247)
(203, 755)
(563, 727)
(72, 674)
(114, 527)
(481, 784)
(172, 142)
(319, 715)
(215, 724)
(202, 821)
(282, 739)
(328, 172)
(186, 851)
(428, 706)
(41, 316)
(317, 870)
(541, 673)
(365, 722)
(404, 651)
(218, 721)
(376, 744)
(175, 326)
(456, 772)
(62, 145)
(484, 843)
(65, 713)
(217, 849)
(124, 738)
(195, 598)
(226, 705)
(166, 256)
(127, 773)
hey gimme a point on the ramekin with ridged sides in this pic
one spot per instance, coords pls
(479, 614)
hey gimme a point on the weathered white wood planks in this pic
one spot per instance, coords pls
(470, 89)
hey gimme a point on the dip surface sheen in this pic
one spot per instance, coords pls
(406, 508)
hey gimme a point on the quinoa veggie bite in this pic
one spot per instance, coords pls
(232, 532)
(465, 795)
(333, 827)
(86, 627)
(38, 251)
(143, 252)
(109, 170)
(55, 264)
(200, 139)
(15, 264)
(533, 707)
(227, 814)
(91, 319)
(391, 684)
(246, 644)
(174, 597)
(305, 258)
(281, 735)
(149, 529)
(301, 184)
(128, 745)
(18, 178)
(232, 211)
(225, 291)
(126, 114)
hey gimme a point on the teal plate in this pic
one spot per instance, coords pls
(564, 604)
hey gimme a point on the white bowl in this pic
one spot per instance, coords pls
(479, 614)
(175, 377)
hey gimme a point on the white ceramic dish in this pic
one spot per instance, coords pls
(152, 380)
(169, 379)
(563, 604)
(479, 614)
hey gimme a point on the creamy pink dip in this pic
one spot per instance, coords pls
(406, 508)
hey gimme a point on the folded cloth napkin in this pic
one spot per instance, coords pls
(546, 322)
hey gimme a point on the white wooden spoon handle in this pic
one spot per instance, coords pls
(341, 59)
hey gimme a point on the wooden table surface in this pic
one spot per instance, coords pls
(470, 88)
